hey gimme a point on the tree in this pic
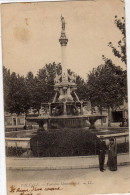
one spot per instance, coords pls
(120, 52)
(30, 81)
(81, 88)
(107, 85)
(6, 86)
(15, 93)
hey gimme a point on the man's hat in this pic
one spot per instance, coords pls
(111, 139)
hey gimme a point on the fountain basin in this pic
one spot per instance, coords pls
(66, 121)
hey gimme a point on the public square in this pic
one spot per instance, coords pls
(66, 115)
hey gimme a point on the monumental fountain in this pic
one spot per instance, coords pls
(66, 110)
(65, 120)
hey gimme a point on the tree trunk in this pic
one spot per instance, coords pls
(101, 118)
(109, 116)
(25, 126)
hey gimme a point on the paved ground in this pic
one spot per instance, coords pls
(74, 162)
(69, 182)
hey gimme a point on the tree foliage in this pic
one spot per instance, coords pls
(16, 99)
(120, 52)
(81, 88)
(107, 85)
(22, 93)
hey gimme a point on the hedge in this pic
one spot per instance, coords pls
(64, 143)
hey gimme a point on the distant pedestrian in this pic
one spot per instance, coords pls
(101, 153)
(112, 155)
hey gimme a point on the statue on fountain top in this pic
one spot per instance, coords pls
(63, 23)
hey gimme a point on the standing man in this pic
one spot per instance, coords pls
(101, 153)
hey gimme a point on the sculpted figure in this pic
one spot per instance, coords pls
(72, 78)
(63, 22)
(57, 79)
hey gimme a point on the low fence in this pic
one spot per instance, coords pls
(21, 128)
(118, 137)
(20, 147)
(17, 146)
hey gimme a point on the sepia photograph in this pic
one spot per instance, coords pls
(65, 91)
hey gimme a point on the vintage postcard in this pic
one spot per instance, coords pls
(65, 97)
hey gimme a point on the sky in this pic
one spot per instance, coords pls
(31, 32)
